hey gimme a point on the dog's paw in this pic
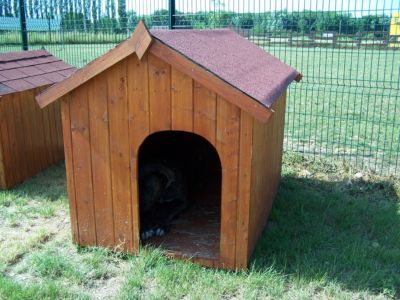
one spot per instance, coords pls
(145, 235)
(159, 231)
(156, 231)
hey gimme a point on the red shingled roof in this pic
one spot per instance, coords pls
(234, 59)
(25, 70)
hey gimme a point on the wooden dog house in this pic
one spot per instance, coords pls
(208, 97)
(30, 138)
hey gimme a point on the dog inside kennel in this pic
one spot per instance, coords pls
(180, 194)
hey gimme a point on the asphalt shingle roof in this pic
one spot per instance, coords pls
(234, 59)
(25, 70)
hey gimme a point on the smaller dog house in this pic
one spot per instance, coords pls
(207, 100)
(30, 138)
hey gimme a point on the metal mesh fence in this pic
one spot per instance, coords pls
(346, 107)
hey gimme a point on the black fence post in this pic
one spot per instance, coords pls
(171, 14)
(22, 18)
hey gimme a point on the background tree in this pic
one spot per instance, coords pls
(122, 15)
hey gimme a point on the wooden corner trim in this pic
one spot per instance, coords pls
(139, 42)
(211, 81)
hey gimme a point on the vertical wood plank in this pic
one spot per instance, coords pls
(227, 142)
(33, 110)
(47, 124)
(182, 101)
(119, 148)
(2, 169)
(3, 182)
(15, 174)
(42, 160)
(53, 132)
(139, 128)
(20, 137)
(244, 188)
(66, 126)
(80, 135)
(159, 94)
(266, 169)
(60, 146)
(100, 153)
(204, 105)
(25, 99)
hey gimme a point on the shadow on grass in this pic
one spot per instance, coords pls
(48, 185)
(334, 232)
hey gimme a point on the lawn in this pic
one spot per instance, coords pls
(346, 107)
(333, 233)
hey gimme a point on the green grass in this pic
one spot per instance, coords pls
(334, 232)
(12, 290)
(346, 107)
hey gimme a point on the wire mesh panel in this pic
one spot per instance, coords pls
(347, 105)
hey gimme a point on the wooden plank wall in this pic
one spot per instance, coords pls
(30, 138)
(2, 165)
(266, 170)
(143, 97)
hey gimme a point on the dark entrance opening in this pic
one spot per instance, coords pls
(195, 231)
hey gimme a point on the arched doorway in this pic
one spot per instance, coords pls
(191, 159)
